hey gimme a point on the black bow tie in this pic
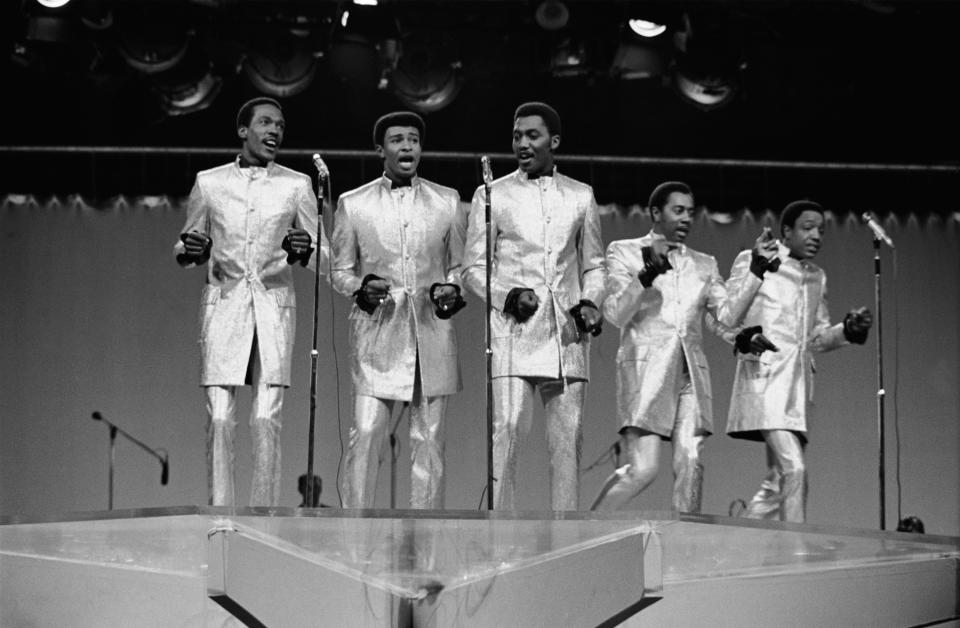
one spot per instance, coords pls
(399, 184)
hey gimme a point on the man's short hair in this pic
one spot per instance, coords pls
(550, 116)
(397, 118)
(788, 218)
(661, 193)
(245, 115)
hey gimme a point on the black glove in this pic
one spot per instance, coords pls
(760, 264)
(594, 329)
(752, 340)
(447, 309)
(856, 325)
(299, 246)
(366, 298)
(517, 308)
(652, 267)
(197, 248)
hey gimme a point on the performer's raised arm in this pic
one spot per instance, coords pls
(786, 322)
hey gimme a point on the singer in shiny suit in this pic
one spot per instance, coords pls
(546, 281)
(249, 221)
(785, 325)
(658, 292)
(398, 248)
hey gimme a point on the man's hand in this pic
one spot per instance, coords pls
(764, 257)
(655, 261)
(299, 246)
(373, 292)
(521, 303)
(196, 248)
(587, 317)
(446, 299)
(752, 340)
(857, 324)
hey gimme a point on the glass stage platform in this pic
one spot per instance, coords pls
(203, 566)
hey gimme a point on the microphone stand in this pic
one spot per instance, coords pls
(487, 179)
(881, 393)
(314, 353)
(114, 430)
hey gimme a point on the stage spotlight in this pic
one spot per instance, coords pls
(365, 3)
(426, 77)
(151, 41)
(53, 4)
(708, 64)
(645, 28)
(96, 15)
(52, 43)
(161, 45)
(282, 66)
(51, 29)
(632, 61)
(569, 59)
(355, 60)
(708, 92)
(191, 97)
(191, 86)
(552, 15)
(361, 46)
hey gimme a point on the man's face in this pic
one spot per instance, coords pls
(262, 138)
(805, 236)
(675, 218)
(533, 145)
(400, 152)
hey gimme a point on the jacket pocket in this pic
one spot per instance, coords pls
(752, 374)
(286, 297)
(211, 294)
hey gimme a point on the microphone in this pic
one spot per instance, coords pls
(878, 231)
(321, 167)
(487, 173)
(115, 429)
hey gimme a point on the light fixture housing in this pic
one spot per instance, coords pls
(552, 15)
(281, 66)
(646, 28)
(427, 73)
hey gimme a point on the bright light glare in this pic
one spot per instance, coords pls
(366, 3)
(645, 28)
(344, 18)
(53, 4)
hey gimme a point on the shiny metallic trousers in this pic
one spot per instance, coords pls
(783, 492)
(643, 460)
(371, 424)
(512, 418)
(265, 422)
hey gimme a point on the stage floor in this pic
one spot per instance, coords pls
(332, 567)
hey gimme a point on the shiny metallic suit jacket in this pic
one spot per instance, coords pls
(775, 390)
(249, 289)
(661, 325)
(374, 235)
(546, 236)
